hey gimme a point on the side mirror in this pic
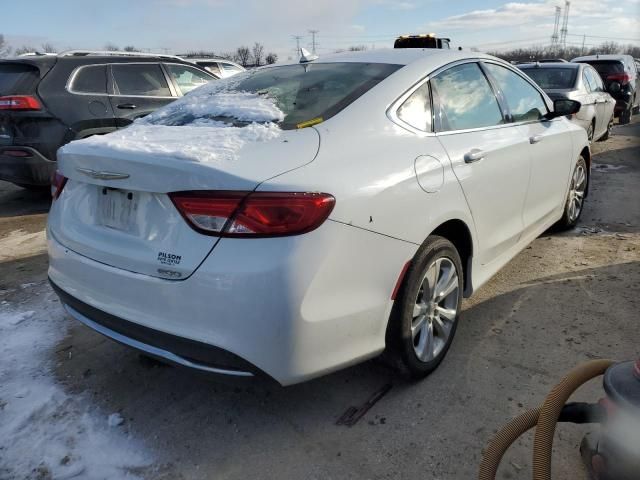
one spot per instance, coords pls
(563, 107)
(614, 87)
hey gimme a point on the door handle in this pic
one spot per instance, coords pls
(474, 155)
(536, 139)
(127, 106)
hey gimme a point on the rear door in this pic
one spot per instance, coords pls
(138, 90)
(604, 102)
(486, 154)
(548, 145)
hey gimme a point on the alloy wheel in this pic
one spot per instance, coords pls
(435, 310)
(576, 193)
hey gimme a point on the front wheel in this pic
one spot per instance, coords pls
(427, 309)
(575, 198)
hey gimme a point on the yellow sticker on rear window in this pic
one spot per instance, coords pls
(309, 123)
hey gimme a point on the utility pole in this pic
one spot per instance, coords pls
(297, 38)
(554, 37)
(313, 40)
(583, 39)
(565, 24)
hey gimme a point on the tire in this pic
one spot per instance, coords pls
(574, 204)
(591, 130)
(635, 110)
(34, 188)
(625, 117)
(421, 349)
(607, 134)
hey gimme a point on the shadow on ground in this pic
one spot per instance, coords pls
(509, 351)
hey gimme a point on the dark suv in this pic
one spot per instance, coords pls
(620, 77)
(47, 101)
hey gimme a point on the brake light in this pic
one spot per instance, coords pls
(622, 78)
(58, 181)
(20, 102)
(253, 214)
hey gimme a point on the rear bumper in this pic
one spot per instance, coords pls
(293, 307)
(34, 169)
(174, 349)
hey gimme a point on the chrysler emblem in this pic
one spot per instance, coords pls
(102, 175)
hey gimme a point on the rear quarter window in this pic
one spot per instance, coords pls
(18, 78)
(90, 79)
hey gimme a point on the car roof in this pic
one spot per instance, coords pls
(585, 58)
(399, 56)
(550, 65)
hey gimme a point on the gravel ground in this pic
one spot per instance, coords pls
(567, 298)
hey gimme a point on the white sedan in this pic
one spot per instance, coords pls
(296, 219)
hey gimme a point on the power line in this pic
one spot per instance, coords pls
(605, 38)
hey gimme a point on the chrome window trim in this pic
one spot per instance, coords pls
(392, 111)
(74, 74)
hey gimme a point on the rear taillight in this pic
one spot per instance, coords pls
(20, 102)
(253, 214)
(622, 78)
(58, 181)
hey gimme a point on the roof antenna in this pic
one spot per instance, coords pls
(306, 56)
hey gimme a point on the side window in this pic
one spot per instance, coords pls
(211, 67)
(594, 80)
(140, 79)
(465, 99)
(585, 80)
(228, 67)
(416, 110)
(187, 78)
(524, 101)
(90, 79)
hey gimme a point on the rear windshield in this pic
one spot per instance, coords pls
(552, 78)
(18, 78)
(304, 94)
(606, 67)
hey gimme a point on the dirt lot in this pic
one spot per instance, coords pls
(568, 298)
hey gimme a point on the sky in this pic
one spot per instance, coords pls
(178, 26)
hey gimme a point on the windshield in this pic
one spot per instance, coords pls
(606, 67)
(552, 78)
(293, 96)
(18, 78)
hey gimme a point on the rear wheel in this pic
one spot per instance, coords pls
(590, 130)
(427, 309)
(625, 116)
(607, 134)
(575, 198)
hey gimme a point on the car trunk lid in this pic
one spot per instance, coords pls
(115, 208)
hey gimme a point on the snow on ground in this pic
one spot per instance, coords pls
(199, 126)
(46, 433)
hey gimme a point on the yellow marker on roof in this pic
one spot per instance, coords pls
(309, 123)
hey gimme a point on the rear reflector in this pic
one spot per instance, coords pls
(253, 214)
(58, 181)
(16, 153)
(20, 102)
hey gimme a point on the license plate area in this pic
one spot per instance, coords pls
(117, 209)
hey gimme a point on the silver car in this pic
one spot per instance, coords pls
(579, 82)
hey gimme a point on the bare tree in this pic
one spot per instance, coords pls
(357, 48)
(5, 49)
(271, 58)
(111, 47)
(242, 56)
(130, 48)
(24, 49)
(48, 48)
(257, 53)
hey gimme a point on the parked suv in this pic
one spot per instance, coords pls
(620, 76)
(47, 101)
(219, 67)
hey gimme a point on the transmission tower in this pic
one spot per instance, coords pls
(565, 23)
(314, 44)
(556, 25)
(297, 38)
